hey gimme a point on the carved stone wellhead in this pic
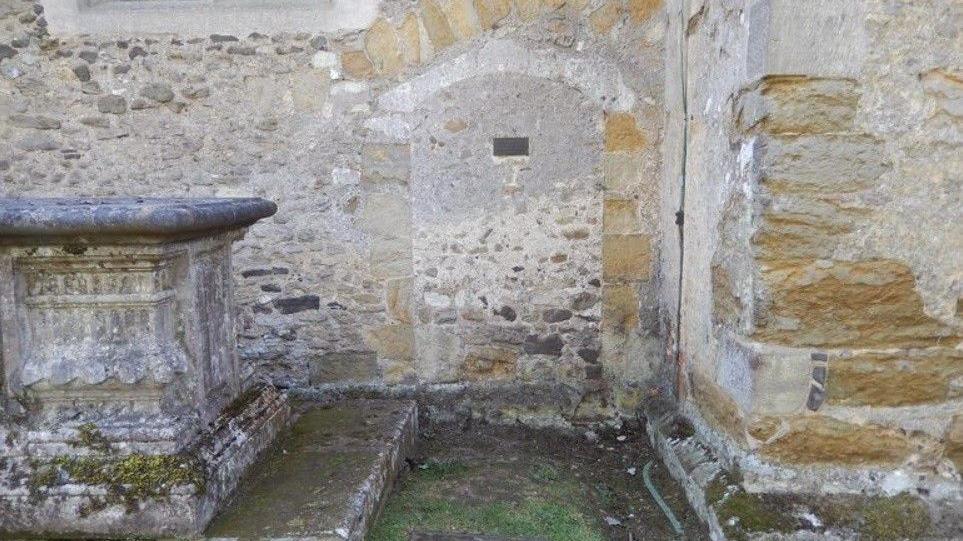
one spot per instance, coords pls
(122, 406)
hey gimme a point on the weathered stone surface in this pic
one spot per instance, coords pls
(885, 379)
(819, 440)
(381, 43)
(626, 257)
(436, 25)
(622, 134)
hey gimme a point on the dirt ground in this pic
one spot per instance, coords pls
(539, 484)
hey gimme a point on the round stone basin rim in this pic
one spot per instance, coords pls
(128, 216)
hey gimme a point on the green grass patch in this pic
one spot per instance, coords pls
(427, 502)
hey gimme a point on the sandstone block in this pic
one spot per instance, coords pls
(527, 9)
(893, 380)
(410, 35)
(398, 299)
(620, 216)
(815, 439)
(486, 363)
(622, 173)
(436, 25)
(620, 308)
(717, 406)
(356, 65)
(492, 12)
(800, 105)
(863, 304)
(461, 16)
(954, 442)
(392, 341)
(622, 134)
(640, 10)
(382, 46)
(604, 18)
(382, 163)
(626, 257)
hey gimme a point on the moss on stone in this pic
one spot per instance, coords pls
(741, 513)
(128, 479)
(898, 517)
(89, 436)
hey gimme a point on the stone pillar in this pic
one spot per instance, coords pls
(122, 411)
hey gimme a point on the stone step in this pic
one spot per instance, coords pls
(326, 477)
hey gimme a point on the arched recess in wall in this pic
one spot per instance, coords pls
(510, 276)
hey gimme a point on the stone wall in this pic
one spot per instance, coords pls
(404, 253)
(821, 321)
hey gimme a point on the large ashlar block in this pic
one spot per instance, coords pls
(122, 410)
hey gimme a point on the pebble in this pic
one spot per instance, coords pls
(120, 69)
(591, 436)
(245, 50)
(221, 38)
(612, 521)
(159, 92)
(134, 52)
(36, 142)
(35, 122)
(622, 438)
(196, 92)
(88, 56)
(21, 41)
(113, 104)
(91, 88)
(95, 121)
(82, 71)
(631, 471)
(7, 51)
(319, 43)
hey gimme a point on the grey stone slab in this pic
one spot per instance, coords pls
(326, 477)
(52, 217)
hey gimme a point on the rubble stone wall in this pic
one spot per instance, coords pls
(403, 253)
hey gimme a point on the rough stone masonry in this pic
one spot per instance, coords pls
(808, 321)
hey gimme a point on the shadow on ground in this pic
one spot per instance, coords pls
(539, 484)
